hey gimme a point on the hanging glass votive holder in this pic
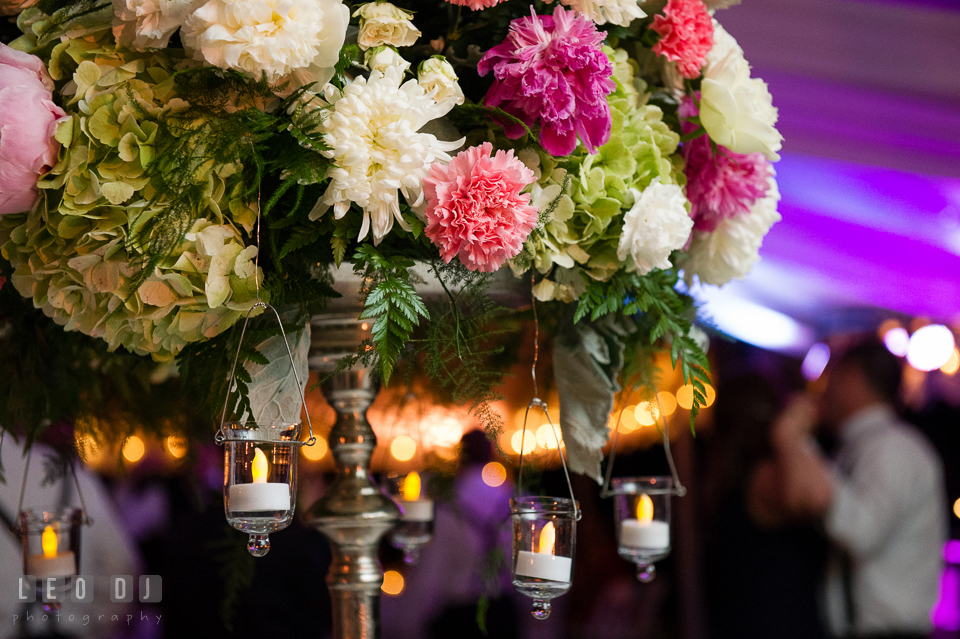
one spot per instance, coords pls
(544, 541)
(642, 507)
(51, 549)
(413, 492)
(260, 479)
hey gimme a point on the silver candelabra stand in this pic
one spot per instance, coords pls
(353, 513)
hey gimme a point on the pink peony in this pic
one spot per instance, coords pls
(686, 35)
(475, 208)
(476, 5)
(28, 120)
(720, 185)
(552, 68)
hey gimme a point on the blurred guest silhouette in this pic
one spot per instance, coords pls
(762, 567)
(880, 501)
(442, 591)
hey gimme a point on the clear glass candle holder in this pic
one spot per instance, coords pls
(414, 493)
(51, 546)
(260, 479)
(642, 508)
(544, 541)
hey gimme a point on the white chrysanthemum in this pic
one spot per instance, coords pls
(372, 132)
(148, 24)
(276, 37)
(621, 12)
(734, 246)
(657, 224)
(737, 110)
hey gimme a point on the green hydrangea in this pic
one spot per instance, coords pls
(582, 197)
(77, 256)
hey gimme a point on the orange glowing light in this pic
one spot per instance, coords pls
(260, 467)
(668, 403)
(546, 437)
(133, 449)
(316, 452)
(494, 474)
(528, 441)
(548, 539)
(392, 583)
(685, 396)
(176, 446)
(403, 448)
(411, 486)
(953, 364)
(49, 542)
(646, 413)
(645, 509)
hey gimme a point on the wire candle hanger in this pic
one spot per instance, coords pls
(542, 405)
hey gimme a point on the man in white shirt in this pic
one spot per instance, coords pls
(881, 502)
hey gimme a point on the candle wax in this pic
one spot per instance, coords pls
(417, 509)
(653, 535)
(64, 564)
(542, 565)
(259, 497)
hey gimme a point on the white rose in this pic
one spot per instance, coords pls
(148, 24)
(621, 12)
(656, 225)
(736, 110)
(731, 250)
(275, 37)
(439, 80)
(382, 58)
(383, 23)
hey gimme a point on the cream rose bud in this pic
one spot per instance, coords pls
(384, 57)
(384, 23)
(438, 79)
(657, 224)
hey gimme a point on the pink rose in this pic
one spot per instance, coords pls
(28, 121)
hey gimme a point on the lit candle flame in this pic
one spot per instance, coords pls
(49, 542)
(411, 487)
(548, 539)
(260, 468)
(645, 509)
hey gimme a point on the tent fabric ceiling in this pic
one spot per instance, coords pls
(869, 101)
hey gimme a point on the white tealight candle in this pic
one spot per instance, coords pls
(649, 535)
(417, 510)
(259, 497)
(51, 563)
(61, 565)
(543, 565)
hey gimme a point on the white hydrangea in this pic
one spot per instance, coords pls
(276, 37)
(621, 12)
(737, 110)
(657, 224)
(374, 139)
(731, 250)
(148, 24)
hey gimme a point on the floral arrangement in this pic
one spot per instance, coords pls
(165, 163)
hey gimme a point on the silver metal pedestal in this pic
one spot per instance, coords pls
(353, 513)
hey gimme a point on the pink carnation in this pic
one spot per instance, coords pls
(686, 35)
(551, 68)
(476, 5)
(720, 185)
(475, 208)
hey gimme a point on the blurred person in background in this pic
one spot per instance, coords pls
(881, 501)
(442, 591)
(105, 550)
(762, 565)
